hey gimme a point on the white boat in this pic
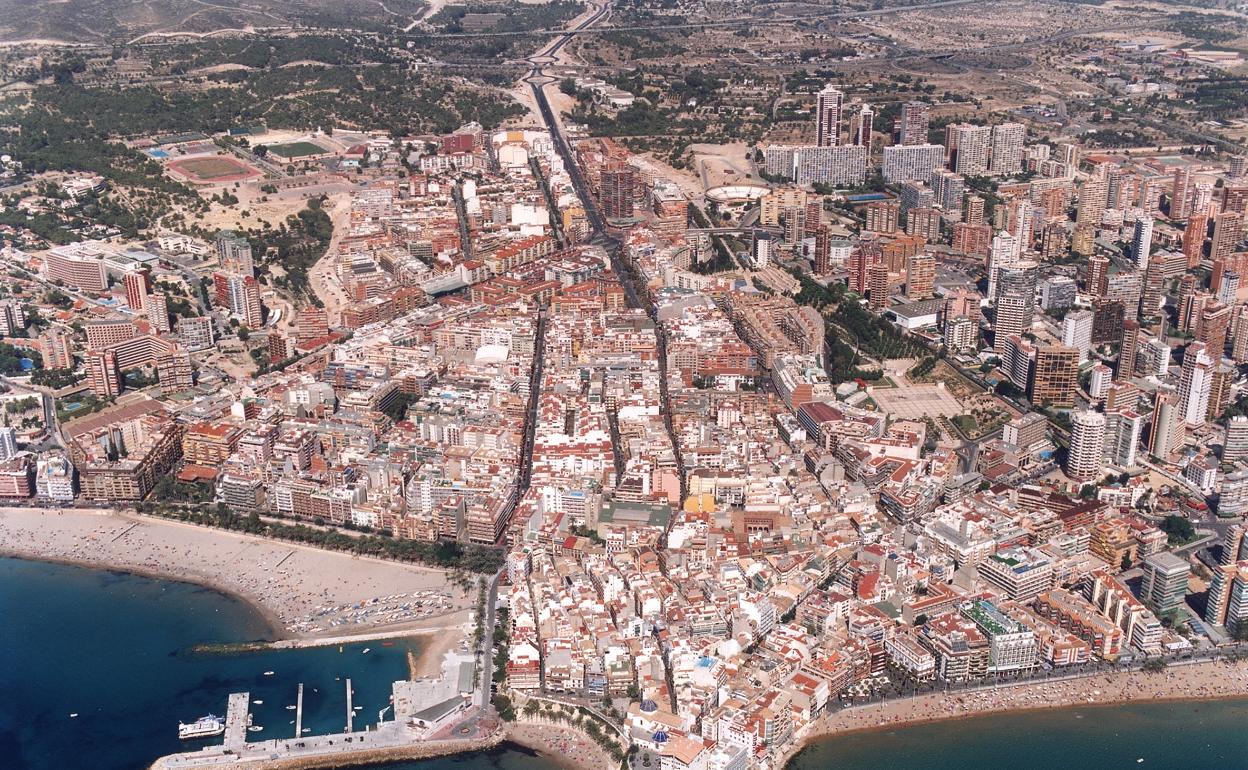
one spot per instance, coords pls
(366, 649)
(74, 715)
(258, 702)
(307, 729)
(254, 729)
(359, 708)
(268, 673)
(204, 727)
(290, 708)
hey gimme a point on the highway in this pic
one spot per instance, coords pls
(537, 80)
(752, 22)
(741, 229)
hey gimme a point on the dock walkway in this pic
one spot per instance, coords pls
(236, 720)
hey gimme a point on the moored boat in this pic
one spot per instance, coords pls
(204, 727)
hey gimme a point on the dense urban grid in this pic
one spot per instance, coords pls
(895, 395)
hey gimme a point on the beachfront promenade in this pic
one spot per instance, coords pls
(901, 690)
(1220, 674)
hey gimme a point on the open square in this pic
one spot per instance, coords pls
(914, 402)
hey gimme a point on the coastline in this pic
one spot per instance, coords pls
(45, 536)
(1207, 681)
(558, 743)
(276, 629)
(306, 596)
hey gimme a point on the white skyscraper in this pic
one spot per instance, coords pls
(864, 126)
(1202, 197)
(1123, 429)
(234, 253)
(1142, 241)
(1098, 385)
(1166, 433)
(1015, 306)
(8, 443)
(761, 254)
(1007, 149)
(906, 163)
(1195, 384)
(971, 146)
(1236, 445)
(1004, 252)
(1181, 194)
(828, 105)
(1021, 230)
(1087, 442)
(1228, 289)
(1077, 331)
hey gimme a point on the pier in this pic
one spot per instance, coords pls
(350, 713)
(299, 711)
(236, 720)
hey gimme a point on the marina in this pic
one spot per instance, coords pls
(430, 716)
(418, 729)
(79, 637)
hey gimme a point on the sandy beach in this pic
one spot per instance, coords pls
(1191, 682)
(560, 743)
(433, 649)
(305, 593)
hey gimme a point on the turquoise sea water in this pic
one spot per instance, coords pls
(115, 649)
